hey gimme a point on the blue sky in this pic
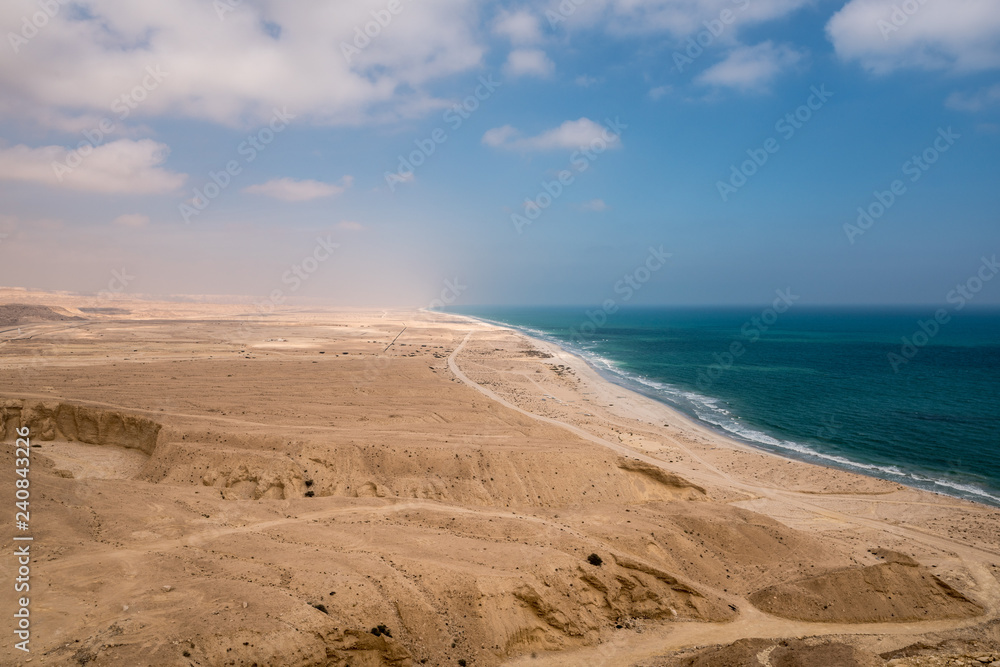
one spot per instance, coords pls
(644, 125)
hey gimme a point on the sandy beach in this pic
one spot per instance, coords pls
(210, 486)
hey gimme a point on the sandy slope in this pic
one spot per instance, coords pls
(211, 487)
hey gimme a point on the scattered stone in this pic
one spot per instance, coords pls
(381, 630)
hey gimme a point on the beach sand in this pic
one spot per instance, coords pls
(376, 487)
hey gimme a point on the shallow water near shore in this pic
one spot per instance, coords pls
(814, 384)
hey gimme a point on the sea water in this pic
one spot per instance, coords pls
(877, 391)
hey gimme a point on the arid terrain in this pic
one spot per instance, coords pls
(211, 486)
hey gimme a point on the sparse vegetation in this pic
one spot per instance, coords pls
(594, 559)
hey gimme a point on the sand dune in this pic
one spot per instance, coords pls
(901, 590)
(23, 313)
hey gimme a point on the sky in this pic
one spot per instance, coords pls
(403, 153)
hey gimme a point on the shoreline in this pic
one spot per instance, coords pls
(809, 458)
(861, 514)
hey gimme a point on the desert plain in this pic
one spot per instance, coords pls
(213, 485)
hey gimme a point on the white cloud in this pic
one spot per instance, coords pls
(659, 91)
(402, 177)
(350, 226)
(586, 81)
(570, 135)
(119, 167)
(273, 53)
(528, 62)
(499, 136)
(131, 220)
(679, 18)
(882, 36)
(234, 71)
(288, 189)
(520, 27)
(595, 205)
(975, 101)
(751, 67)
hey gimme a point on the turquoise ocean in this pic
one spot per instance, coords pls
(838, 387)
